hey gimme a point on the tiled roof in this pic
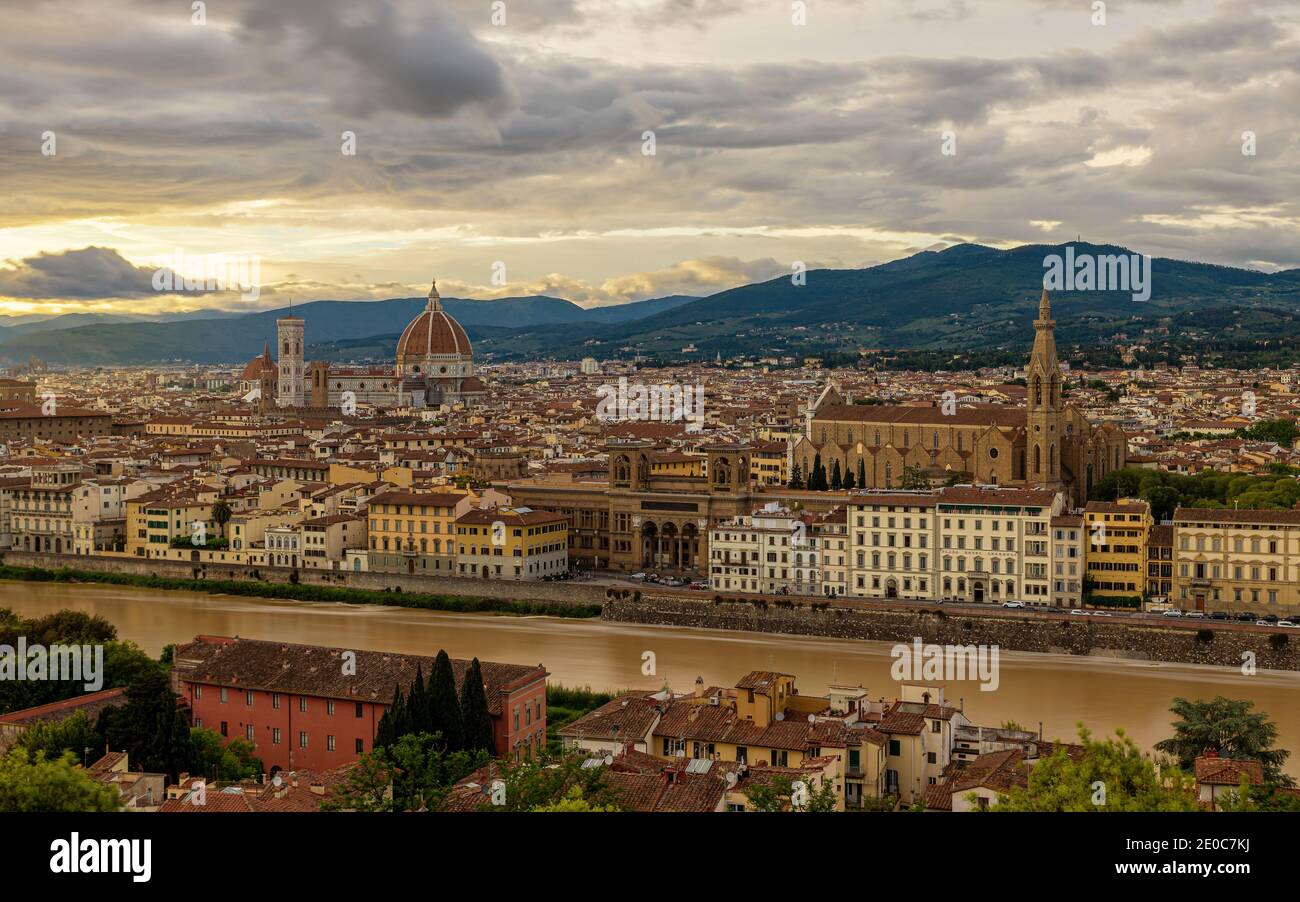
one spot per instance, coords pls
(318, 671)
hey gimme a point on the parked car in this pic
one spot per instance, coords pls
(1246, 617)
(1219, 615)
(1102, 614)
(1079, 612)
(1288, 623)
(1172, 612)
(1262, 623)
(637, 576)
(1195, 615)
(698, 586)
(1013, 604)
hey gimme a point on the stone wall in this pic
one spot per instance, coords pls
(555, 592)
(1081, 636)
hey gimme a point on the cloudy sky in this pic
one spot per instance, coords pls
(130, 132)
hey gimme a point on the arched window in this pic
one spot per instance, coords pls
(1038, 459)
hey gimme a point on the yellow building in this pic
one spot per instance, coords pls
(1116, 535)
(769, 463)
(414, 532)
(511, 543)
(154, 520)
(1237, 561)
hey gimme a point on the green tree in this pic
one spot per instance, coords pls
(1231, 729)
(51, 738)
(221, 514)
(862, 473)
(444, 706)
(777, 795)
(394, 723)
(574, 800)
(152, 727)
(914, 478)
(33, 783)
(1112, 775)
(837, 478)
(532, 784)
(474, 714)
(218, 760)
(796, 477)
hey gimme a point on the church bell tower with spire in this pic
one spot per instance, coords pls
(1045, 418)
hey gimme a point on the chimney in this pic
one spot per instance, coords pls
(699, 687)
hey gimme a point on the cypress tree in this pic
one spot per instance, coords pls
(418, 719)
(849, 484)
(862, 473)
(796, 478)
(474, 711)
(837, 479)
(391, 726)
(444, 706)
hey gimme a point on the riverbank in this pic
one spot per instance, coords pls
(1086, 636)
(1058, 690)
(465, 604)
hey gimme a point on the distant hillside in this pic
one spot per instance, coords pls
(964, 297)
(934, 303)
(230, 338)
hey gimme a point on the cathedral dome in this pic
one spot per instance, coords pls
(434, 333)
(259, 365)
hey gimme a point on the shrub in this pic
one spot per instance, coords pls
(1279, 641)
(1205, 635)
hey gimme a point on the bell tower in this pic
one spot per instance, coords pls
(1044, 417)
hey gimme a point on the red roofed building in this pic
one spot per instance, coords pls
(307, 706)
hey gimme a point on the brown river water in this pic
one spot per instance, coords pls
(1057, 690)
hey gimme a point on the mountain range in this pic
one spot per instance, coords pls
(964, 297)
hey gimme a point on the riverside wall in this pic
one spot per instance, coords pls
(566, 592)
(1081, 636)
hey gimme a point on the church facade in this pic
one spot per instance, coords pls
(1048, 443)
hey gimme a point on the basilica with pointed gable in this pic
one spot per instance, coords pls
(1047, 443)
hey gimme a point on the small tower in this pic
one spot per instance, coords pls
(292, 388)
(1044, 409)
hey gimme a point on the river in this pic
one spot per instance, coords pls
(1056, 690)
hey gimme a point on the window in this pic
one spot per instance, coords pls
(742, 754)
(275, 736)
(223, 728)
(360, 713)
(248, 732)
(360, 746)
(302, 704)
(302, 739)
(275, 700)
(329, 743)
(895, 748)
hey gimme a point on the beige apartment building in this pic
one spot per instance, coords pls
(892, 538)
(830, 533)
(1237, 560)
(962, 543)
(41, 513)
(772, 550)
(1068, 560)
(325, 540)
(920, 729)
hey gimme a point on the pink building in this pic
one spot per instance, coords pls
(308, 706)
